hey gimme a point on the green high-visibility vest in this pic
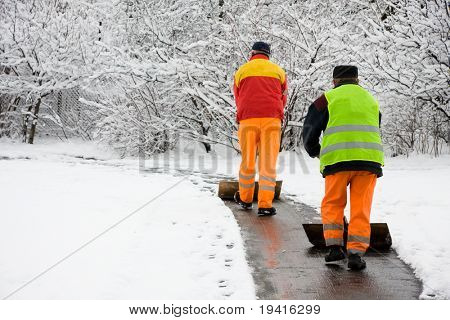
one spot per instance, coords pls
(352, 131)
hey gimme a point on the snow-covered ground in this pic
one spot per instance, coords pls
(182, 244)
(186, 243)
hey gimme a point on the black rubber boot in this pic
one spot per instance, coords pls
(244, 205)
(356, 262)
(267, 212)
(336, 253)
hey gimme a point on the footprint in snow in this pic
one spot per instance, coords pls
(228, 263)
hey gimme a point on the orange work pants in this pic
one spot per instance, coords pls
(362, 185)
(259, 135)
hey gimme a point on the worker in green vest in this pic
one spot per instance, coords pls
(351, 155)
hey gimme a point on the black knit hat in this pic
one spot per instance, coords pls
(345, 72)
(261, 46)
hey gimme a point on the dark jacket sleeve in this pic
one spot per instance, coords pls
(315, 122)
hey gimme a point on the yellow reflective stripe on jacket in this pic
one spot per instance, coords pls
(259, 68)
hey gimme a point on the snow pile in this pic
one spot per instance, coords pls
(183, 243)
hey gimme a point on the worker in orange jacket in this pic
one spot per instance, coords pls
(260, 91)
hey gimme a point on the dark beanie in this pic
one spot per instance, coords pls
(262, 46)
(345, 72)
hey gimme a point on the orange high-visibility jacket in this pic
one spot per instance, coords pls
(260, 89)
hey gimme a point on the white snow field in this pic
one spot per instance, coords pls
(183, 244)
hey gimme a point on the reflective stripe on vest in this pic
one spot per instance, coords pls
(352, 131)
(351, 127)
(351, 145)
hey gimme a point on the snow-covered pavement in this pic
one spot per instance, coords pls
(183, 243)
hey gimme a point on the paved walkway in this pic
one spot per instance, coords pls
(286, 266)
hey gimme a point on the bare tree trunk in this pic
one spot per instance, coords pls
(221, 3)
(35, 121)
(448, 136)
(26, 119)
(206, 144)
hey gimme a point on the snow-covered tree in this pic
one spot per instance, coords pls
(151, 71)
(404, 46)
(44, 46)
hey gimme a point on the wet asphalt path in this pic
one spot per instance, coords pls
(286, 266)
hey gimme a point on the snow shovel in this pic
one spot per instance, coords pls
(227, 189)
(380, 237)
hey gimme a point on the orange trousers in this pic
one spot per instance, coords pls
(259, 135)
(362, 185)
